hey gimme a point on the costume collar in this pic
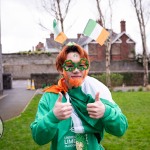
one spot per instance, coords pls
(61, 87)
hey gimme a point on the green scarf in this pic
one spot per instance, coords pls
(79, 101)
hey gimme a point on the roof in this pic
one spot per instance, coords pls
(116, 38)
(84, 40)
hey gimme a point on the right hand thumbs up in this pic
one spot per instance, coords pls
(62, 110)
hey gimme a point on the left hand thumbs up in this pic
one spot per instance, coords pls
(96, 110)
(97, 96)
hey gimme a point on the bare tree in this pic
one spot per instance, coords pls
(101, 17)
(108, 42)
(58, 9)
(140, 11)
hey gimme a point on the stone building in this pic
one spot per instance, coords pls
(122, 45)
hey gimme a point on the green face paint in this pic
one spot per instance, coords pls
(70, 66)
(75, 55)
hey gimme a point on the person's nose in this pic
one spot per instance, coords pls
(76, 70)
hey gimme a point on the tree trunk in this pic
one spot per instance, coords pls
(139, 12)
(101, 21)
(145, 64)
(108, 72)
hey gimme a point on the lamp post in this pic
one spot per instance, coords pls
(1, 70)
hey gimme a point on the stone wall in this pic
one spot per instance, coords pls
(41, 68)
(42, 80)
(117, 66)
(22, 66)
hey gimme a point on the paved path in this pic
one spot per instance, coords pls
(128, 88)
(14, 100)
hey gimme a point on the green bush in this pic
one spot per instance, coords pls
(140, 88)
(37, 52)
(131, 90)
(127, 77)
(116, 79)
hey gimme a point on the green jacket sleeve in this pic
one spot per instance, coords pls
(44, 128)
(114, 120)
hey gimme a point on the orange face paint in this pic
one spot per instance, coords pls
(74, 82)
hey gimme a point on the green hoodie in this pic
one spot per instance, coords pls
(47, 127)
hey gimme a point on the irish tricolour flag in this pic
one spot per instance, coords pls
(96, 32)
(59, 36)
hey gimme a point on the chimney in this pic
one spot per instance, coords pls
(52, 36)
(123, 26)
(78, 35)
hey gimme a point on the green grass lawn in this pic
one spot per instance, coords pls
(135, 105)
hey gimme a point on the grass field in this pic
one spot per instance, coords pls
(135, 105)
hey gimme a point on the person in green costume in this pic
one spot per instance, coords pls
(74, 114)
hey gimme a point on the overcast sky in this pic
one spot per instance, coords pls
(20, 30)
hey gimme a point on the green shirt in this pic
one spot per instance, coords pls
(47, 128)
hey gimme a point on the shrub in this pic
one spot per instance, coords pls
(131, 90)
(37, 52)
(116, 79)
(148, 88)
(127, 77)
(140, 88)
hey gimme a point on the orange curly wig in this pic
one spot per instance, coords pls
(60, 59)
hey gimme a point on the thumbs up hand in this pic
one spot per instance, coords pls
(62, 110)
(96, 110)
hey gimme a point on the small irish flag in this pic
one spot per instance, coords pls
(60, 37)
(96, 32)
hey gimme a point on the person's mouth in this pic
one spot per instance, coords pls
(75, 76)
